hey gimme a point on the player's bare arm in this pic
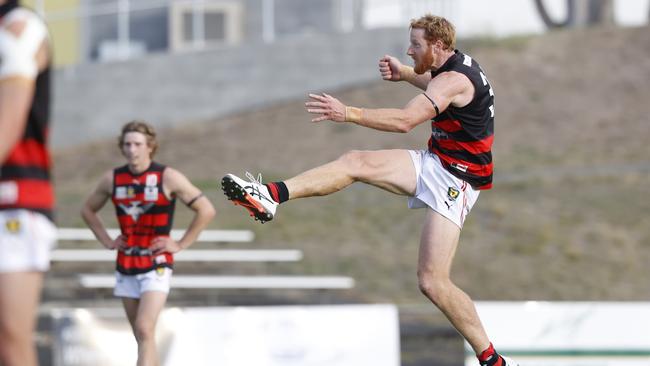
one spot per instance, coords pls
(443, 90)
(416, 111)
(95, 201)
(450, 88)
(392, 69)
(177, 185)
(15, 99)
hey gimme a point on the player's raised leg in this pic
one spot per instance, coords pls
(391, 170)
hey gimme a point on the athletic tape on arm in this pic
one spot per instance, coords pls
(353, 114)
(407, 73)
(18, 54)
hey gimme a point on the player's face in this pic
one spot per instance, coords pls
(135, 148)
(420, 51)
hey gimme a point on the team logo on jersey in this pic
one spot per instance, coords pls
(160, 271)
(130, 192)
(135, 210)
(12, 226)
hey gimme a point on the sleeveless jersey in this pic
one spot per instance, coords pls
(144, 213)
(462, 137)
(25, 175)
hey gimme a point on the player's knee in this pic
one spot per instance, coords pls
(433, 286)
(14, 343)
(355, 162)
(12, 333)
(144, 331)
(5, 351)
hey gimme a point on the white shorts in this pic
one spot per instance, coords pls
(26, 240)
(134, 286)
(449, 196)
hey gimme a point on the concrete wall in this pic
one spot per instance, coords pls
(92, 101)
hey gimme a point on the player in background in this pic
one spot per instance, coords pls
(27, 231)
(144, 193)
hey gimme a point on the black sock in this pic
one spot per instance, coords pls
(279, 191)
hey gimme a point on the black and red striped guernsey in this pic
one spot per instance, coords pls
(144, 213)
(462, 137)
(25, 175)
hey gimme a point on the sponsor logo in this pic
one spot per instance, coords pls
(120, 193)
(160, 259)
(152, 179)
(160, 271)
(462, 167)
(439, 134)
(151, 193)
(467, 61)
(8, 192)
(255, 192)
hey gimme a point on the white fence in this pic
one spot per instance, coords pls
(537, 333)
(343, 335)
(204, 281)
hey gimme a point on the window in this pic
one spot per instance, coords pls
(193, 26)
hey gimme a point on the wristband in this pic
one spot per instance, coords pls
(353, 114)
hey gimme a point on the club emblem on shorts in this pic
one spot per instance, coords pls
(12, 226)
(452, 193)
(135, 210)
(160, 271)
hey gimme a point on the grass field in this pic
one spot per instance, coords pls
(567, 218)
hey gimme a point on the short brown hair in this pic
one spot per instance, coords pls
(142, 127)
(436, 28)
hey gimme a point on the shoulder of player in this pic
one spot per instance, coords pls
(453, 80)
(16, 28)
(106, 181)
(172, 176)
(17, 20)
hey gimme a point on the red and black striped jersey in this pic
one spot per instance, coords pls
(144, 213)
(462, 137)
(25, 181)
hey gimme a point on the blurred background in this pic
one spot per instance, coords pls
(225, 81)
